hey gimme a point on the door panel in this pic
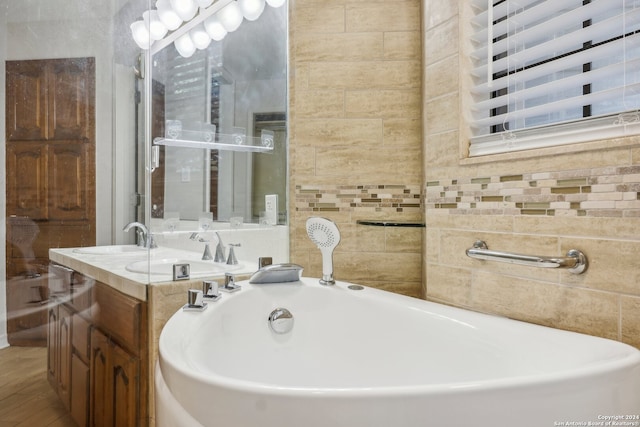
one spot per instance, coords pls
(71, 94)
(69, 191)
(26, 100)
(27, 182)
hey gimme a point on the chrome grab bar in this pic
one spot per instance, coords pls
(575, 260)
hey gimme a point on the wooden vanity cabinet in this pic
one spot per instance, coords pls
(119, 379)
(96, 345)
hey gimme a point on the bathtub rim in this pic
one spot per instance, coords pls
(626, 359)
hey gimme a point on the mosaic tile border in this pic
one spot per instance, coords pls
(604, 192)
(391, 198)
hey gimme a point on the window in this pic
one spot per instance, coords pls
(554, 72)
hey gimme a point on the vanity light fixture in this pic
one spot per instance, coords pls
(185, 46)
(251, 9)
(275, 3)
(214, 28)
(204, 3)
(194, 23)
(186, 9)
(230, 16)
(157, 30)
(200, 37)
(168, 16)
(140, 33)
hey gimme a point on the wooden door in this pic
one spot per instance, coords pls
(50, 174)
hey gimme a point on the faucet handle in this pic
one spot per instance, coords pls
(232, 260)
(207, 252)
(230, 283)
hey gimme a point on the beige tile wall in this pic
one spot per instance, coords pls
(541, 203)
(355, 141)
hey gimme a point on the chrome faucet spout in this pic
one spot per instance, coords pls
(145, 239)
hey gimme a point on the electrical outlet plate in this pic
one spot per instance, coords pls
(271, 209)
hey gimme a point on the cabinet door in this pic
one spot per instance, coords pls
(64, 359)
(101, 389)
(52, 347)
(125, 382)
(79, 391)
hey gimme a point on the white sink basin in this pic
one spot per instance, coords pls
(111, 250)
(165, 266)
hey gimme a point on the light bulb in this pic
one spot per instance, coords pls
(230, 16)
(251, 9)
(275, 3)
(169, 18)
(186, 9)
(214, 28)
(140, 33)
(204, 3)
(200, 37)
(184, 45)
(157, 30)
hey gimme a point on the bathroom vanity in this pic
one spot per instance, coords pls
(104, 325)
(97, 346)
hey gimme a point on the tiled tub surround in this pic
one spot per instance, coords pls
(608, 191)
(541, 202)
(383, 257)
(355, 136)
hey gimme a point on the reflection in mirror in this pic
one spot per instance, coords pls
(231, 93)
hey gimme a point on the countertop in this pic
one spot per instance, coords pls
(111, 268)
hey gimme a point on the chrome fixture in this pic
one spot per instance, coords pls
(210, 290)
(232, 260)
(207, 251)
(194, 301)
(230, 283)
(145, 239)
(277, 273)
(575, 261)
(326, 236)
(281, 321)
(219, 250)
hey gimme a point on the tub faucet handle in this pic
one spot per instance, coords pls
(230, 283)
(194, 301)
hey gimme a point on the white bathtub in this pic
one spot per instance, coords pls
(367, 358)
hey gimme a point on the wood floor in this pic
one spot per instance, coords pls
(26, 398)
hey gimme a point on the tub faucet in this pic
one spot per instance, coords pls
(207, 251)
(145, 239)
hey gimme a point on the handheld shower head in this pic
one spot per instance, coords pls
(325, 235)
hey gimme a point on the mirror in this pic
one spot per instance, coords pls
(219, 125)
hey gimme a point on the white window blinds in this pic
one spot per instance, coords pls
(552, 72)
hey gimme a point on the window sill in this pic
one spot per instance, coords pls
(606, 144)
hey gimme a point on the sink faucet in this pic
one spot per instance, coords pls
(145, 239)
(207, 251)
